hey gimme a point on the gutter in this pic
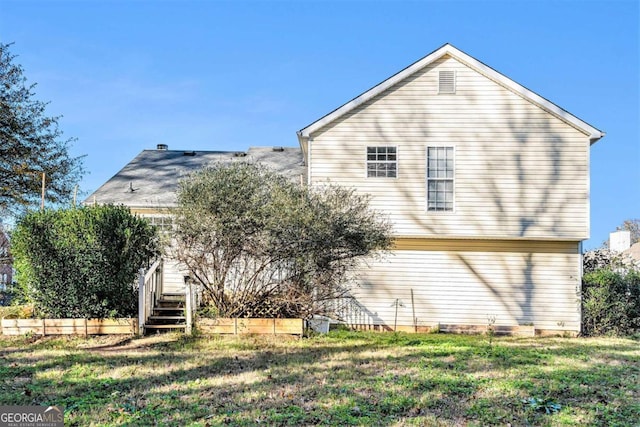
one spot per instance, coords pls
(305, 142)
(596, 136)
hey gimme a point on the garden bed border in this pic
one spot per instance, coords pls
(69, 326)
(240, 326)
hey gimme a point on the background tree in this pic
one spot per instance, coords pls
(30, 143)
(262, 246)
(633, 226)
(82, 262)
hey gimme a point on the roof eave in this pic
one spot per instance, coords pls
(596, 136)
(593, 133)
(377, 89)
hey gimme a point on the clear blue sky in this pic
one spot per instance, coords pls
(205, 75)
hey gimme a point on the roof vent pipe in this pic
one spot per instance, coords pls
(162, 147)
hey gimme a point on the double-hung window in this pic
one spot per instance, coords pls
(440, 179)
(382, 161)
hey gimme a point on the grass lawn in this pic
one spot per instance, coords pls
(344, 378)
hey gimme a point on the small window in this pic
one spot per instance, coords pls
(382, 162)
(440, 179)
(447, 81)
(164, 223)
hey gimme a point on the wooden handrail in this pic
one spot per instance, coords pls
(149, 290)
(151, 270)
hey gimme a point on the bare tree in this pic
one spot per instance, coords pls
(262, 246)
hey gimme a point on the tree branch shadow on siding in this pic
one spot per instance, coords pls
(530, 220)
(520, 203)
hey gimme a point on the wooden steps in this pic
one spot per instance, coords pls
(149, 327)
(168, 314)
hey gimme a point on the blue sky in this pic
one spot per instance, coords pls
(206, 75)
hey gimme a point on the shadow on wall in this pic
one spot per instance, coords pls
(522, 186)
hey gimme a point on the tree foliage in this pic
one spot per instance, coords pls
(600, 259)
(633, 226)
(610, 293)
(611, 302)
(30, 144)
(82, 262)
(262, 246)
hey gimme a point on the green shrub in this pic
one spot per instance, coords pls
(611, 302)
(82, 262)
(16, 312)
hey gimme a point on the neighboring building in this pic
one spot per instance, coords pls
(6, 262)
(634, 252)
(620, 240)
(486, 184)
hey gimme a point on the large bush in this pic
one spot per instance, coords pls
(262, 246)
(611, 302)
(82, 262)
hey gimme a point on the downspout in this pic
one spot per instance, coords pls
(581, 272)
(309, 141)
(305, 146)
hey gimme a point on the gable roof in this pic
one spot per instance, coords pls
(593, 133)
(151, 179)
(634, 251)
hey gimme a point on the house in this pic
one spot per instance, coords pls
(148, 185)
(620, 245)
(634, 252)
(6, 261)
(486, 184)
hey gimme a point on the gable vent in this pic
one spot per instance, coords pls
(447, 81)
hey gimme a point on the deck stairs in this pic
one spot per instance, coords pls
(168, 314)
(164, 304)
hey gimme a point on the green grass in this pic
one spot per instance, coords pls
(344, 378)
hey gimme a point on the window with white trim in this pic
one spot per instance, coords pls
(440, 179)
(164, 223)
(382, 161)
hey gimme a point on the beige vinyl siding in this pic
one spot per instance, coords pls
(520, 171)
(173, 277)
(172, 273)
(464, 283)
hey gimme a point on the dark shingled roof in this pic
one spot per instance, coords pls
(150, 180)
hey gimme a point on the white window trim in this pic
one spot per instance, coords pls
(160, 221)
(366, 162)
(426, 180)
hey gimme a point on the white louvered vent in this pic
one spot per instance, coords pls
(447, 81)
